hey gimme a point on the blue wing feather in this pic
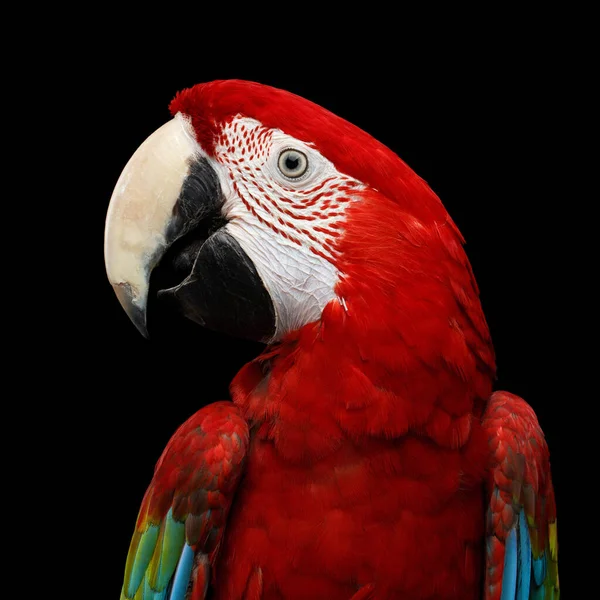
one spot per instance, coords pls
(524, 576)
(539, 569)
(524, 565)
(509, 578)
(183, 574)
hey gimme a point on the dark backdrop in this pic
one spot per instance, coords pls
(474, 127)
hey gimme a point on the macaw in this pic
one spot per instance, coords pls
(363, 454)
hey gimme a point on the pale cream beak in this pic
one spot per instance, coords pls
(140, 210)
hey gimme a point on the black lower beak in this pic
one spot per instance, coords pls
(205, 274)
(223, 291)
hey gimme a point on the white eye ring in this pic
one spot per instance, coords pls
(292, 163)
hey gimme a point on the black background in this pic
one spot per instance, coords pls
(473, 124)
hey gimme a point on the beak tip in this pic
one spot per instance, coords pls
(134, 306)
(141, 327)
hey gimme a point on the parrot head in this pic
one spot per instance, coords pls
(256, 213)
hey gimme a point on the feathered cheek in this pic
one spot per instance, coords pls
(285, 206)
(300, 283)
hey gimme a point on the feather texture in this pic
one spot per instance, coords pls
(521, 559)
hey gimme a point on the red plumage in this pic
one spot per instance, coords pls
(372, 452)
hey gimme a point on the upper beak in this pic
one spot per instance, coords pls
(146, 213)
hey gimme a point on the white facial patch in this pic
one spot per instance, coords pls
(288, 227)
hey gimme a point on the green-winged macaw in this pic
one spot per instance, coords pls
(363, 453)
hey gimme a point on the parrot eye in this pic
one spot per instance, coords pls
(292, 163)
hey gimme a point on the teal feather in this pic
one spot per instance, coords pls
(172, 541)
(143, 555)
(509, 578)
(150, 594)
(524, 563)
(538, 593)
(539, 569)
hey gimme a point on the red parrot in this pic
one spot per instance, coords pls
(363, 454)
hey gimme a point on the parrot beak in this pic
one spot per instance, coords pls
(166, 189)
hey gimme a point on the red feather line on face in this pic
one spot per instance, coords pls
(245, 147)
